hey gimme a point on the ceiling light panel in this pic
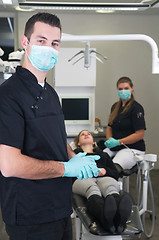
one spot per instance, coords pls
(84, 6)
(90, 1)
(9, 2)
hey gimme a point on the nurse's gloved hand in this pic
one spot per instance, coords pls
(81, 166)
(112, 142)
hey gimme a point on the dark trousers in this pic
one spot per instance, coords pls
(58, 230)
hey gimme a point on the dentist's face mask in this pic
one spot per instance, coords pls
(124, 94)
(43, 58)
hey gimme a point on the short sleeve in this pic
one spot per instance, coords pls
(11, 122)
(138, 120)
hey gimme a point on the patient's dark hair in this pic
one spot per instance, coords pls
(44, 17)
(76, 140)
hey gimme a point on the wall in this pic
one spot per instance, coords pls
(70, 84)
(130, 58)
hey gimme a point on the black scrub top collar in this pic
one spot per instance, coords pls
(28, 76)
(122, 108)
(125, 103)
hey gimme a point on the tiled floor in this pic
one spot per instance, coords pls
(155, 181)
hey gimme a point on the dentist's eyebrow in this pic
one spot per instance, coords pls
(40, 36)
(55, 40)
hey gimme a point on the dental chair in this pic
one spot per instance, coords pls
(87, 228)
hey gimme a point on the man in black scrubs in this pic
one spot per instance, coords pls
(36, 172)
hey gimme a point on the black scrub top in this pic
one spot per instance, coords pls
(31, 119)
(127, 124)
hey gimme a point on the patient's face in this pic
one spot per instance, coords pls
(85, 137)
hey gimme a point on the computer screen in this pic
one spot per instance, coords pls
(76, 110)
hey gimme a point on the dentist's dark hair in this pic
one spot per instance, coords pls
(44, 17)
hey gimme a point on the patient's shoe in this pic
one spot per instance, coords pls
(95, 205)
(123, 211)
(110, 208)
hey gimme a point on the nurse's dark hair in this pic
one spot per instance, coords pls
(124, 80)
(116, 106)
(44, 17)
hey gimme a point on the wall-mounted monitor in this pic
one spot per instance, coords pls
(77, 110)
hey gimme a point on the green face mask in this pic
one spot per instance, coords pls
(43, 57)
(124, 94)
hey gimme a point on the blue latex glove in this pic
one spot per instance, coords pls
(81, 166)
(112, 142)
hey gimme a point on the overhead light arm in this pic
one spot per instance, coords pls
(101, 55)
(87, 55)
(75, 55)
(127, 37)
